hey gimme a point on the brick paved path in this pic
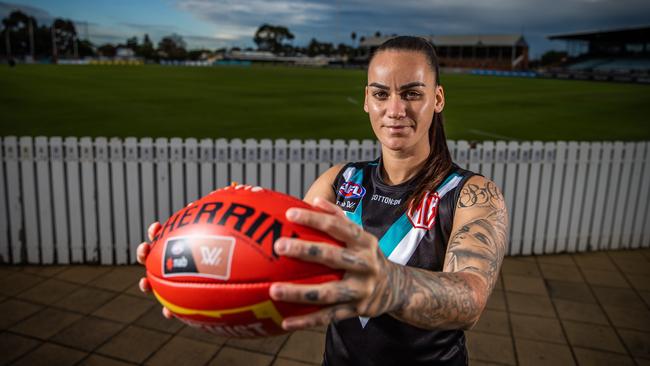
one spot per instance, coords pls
(587, 309)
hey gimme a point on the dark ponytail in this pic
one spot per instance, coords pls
(438, 164)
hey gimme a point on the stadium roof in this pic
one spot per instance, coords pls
(505, 40)
(636, 34)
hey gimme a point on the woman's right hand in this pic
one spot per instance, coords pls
(142, 253)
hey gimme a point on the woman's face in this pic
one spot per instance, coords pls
(401, 98)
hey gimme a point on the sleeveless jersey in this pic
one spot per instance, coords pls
(414, 237)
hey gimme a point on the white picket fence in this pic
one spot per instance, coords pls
(90, 200)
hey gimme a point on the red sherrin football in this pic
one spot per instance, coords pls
(212, 262)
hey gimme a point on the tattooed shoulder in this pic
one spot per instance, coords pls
(480, 231)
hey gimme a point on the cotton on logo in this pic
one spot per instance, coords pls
(424, 215)
(211, 256)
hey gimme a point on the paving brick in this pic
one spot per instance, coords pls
(605, 278)
(304, 346)
(236, 357)
(592, 357)
(496, 301)
(626, 254)
(154, 319)
(268, 345)
(645, 295)
(118, 279)
(48, 292)
(528, 285)
(532, 353)
(97, 360)
(637, 342)
(621, 297)
(639, 282)
(595, 260)
(18, 282)
(288, 362)
(536, 328)
(530, 304)
(628, 318)
(633, 266)
(13, 346)
(562, 259)
(44, 271)
(592, 336)
(87, 333)
(46, 323)
(579, 292)
(520, 267)
(493, 321)
(490, 348)
(85, 300)
(51, 354)
(123, 308)
(183, 351)
(12, 311)
(134, 344)
(201, 335)
(588, 313)
(135, 291)
(642, 361)
(569, 273)
(82, 274)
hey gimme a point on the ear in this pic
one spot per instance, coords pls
(365, 100)
(440, 99)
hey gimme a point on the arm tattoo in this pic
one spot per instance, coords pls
(455, 298)
(480, 244)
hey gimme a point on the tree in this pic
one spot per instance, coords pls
(146, 49)
(272, 37)
(316, 48)
(107, 50)
(172, 47)
(132, 43)
(377, 34)
(64, 37)
(18, 31)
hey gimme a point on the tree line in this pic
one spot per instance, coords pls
(24, 37)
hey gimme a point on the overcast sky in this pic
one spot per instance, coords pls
(218, 23)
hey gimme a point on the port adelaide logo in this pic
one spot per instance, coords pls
(349, 195)
(202, 256)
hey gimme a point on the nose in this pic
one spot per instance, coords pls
(396, 107)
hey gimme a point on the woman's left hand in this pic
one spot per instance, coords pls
(370, 286)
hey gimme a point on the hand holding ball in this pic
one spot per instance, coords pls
(212, 263)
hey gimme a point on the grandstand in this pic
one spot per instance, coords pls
(616, 54)
(488, 52)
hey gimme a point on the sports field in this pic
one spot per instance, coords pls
(284, 102)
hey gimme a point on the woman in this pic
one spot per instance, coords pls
(424, 238)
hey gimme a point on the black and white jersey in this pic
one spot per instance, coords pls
(415, 237)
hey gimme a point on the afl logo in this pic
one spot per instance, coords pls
(352, 190)
(424, 215)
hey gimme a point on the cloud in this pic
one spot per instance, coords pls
(41, 15)
(334, 20)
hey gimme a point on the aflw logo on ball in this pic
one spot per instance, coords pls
(423, 216)
(202, 256)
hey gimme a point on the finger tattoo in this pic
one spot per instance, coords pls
(311, 295)
(353, 259)
(314, 251)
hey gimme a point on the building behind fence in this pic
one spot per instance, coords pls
(90, 200)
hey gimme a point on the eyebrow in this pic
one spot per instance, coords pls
(412, 84)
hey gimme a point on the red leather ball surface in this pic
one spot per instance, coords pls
(212, 262)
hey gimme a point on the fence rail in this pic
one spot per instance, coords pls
(90, 200)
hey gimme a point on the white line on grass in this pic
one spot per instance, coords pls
(352, 100)
(489, 134)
